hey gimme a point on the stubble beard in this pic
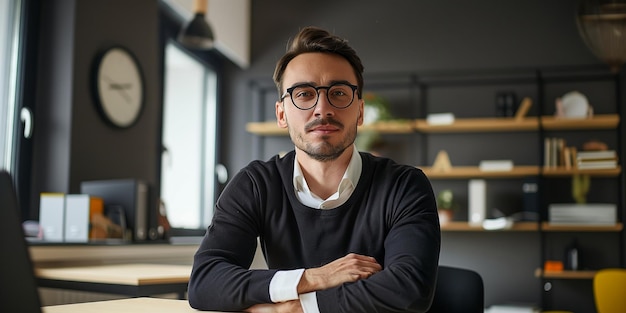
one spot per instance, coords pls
(324, 151)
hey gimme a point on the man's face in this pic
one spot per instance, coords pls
(323, 132)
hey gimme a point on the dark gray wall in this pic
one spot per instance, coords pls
(406, 35)
(422, 36)
(72, 143)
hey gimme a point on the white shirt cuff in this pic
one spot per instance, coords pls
(308, 301)
(284, 285)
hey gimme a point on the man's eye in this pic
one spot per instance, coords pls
(304, 93)
(338, 93)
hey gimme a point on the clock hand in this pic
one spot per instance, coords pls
(121, 88)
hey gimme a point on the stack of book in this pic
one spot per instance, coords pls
(605, 159)
(592, 214)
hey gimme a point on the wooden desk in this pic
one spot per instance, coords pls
(131, 305)
(136, 280)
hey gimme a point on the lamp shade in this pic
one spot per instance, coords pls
(602, 25)
(197, 34)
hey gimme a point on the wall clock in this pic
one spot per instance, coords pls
(119, 87)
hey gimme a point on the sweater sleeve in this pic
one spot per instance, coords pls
(221, 279)
(412, 245)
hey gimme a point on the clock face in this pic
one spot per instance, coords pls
(119, 86)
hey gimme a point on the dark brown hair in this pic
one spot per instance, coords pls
(313, 39)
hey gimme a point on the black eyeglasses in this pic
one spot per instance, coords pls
(305, 96)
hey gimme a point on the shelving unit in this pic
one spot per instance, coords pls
(606, 242)
(518, 138)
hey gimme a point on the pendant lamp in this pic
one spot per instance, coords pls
(197, 34)
(602, 25)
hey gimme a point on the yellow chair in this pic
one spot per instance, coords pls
(609, 287)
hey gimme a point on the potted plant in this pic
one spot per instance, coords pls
(375, 109)
(445, 206)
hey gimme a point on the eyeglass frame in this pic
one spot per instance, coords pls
(317, 90)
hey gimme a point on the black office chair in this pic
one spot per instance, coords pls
(18, 286)
(458, 291)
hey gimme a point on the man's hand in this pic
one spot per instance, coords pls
(282, 307)
(349, 268)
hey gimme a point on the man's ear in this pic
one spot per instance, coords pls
(281, 117)
(361, 104)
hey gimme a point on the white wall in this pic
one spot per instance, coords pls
(230, 21)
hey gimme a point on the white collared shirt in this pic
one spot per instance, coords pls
(344, 190)
(283, 286)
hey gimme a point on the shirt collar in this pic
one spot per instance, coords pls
(351, 175)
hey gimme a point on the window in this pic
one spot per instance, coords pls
(189, 139)
(9, 37)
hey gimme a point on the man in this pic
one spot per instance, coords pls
(341, 231)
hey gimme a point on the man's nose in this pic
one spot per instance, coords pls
(323, 107)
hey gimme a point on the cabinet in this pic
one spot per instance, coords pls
(477, 135)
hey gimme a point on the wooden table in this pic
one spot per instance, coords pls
(131, 305)
(136, 280)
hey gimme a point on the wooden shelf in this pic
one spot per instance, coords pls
(532, 226)
(466, 172)
(565, 274)
(465, 226)
(562, 171)
(390, 127)
(494, 124)
(546, 226)
(270, 128)
(602, 121)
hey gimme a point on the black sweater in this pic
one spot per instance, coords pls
(391, 216)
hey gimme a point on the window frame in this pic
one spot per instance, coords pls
(171, 23)
(29, 12)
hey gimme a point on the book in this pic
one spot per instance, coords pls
(546, 152)
(596, 155)
(600, 159)
(567, 157)
(554, 156)
(600, 164)
(603, 214)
